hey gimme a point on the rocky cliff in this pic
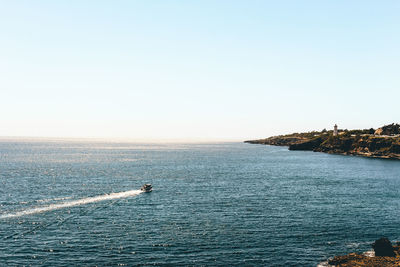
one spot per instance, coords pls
(369, 142)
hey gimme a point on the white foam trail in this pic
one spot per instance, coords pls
(72, 203)
(52, 199)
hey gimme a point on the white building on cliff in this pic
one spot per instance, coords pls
(335, 131)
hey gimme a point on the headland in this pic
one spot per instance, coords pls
(383, 142)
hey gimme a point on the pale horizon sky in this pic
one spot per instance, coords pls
(196, 70)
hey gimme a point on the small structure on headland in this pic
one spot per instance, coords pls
(335, 130)
(389, 130)
(378, 131)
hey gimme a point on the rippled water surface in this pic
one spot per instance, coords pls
(70, 203)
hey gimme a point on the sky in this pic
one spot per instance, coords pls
(196, 70)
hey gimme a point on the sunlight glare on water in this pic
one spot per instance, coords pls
(66, 203)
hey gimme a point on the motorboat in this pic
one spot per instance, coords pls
(147, 188)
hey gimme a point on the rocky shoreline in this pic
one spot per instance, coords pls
(384, 254)
(381, 143)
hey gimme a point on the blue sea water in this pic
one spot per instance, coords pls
(212, 205)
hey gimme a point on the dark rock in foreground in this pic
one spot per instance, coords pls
(382, 245)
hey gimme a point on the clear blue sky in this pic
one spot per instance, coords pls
(197, 69)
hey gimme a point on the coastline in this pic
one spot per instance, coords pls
(355, 154)
(382, 254)
(383, 143)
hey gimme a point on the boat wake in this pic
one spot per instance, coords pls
(71, 204)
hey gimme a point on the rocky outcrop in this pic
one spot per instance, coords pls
(382, 247)
(279, 140)
(366, 145)
(307, 145)
(353, 142)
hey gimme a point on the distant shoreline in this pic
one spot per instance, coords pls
(115, 140)
(383, 143)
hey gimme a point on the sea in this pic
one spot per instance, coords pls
(78, 203)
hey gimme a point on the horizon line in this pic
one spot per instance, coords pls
(121, 139)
